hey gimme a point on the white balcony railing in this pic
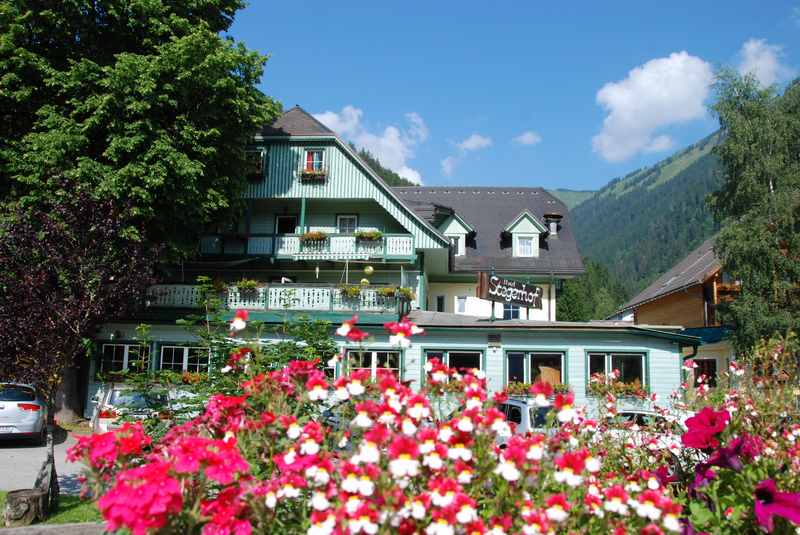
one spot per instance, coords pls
(292, 246)
(276, 297)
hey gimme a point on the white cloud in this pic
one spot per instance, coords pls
(475, 142)
(449, 165)
(393, 147)
(763, 61)
(529, 137)
(660, 144)
(662, 92)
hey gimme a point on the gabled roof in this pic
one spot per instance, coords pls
(526, 213)
(296, 122)
(488, 210)
(695, 269)
(462, 222)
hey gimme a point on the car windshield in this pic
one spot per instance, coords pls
(17, 393)
(134, 400)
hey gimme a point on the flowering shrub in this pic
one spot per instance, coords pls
(295, 452)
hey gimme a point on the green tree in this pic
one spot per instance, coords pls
(146, 101)
(596, 294)
(759, 206)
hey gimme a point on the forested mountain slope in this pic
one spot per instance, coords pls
(640, 225)
(572, 197)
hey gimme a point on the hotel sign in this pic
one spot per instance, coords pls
(494, 288)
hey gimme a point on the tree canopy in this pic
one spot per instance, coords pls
(759, 206)
(142, 101)
(596, 294)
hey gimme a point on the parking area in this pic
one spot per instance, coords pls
(20, 462)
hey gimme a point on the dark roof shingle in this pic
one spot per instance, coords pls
(489, 210)
(696, 268)
(296, 122)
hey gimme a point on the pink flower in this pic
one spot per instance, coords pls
(704, 427)
(402, 331)
(563, 404)
(142, 499)
(557, 508)
(349, 330)
(770, 502)
(541, 392)
(404, 454)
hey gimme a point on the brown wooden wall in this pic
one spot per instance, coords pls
(684, 308)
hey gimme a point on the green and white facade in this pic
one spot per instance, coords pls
(325, 237)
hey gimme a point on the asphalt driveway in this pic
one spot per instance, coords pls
(20, 462)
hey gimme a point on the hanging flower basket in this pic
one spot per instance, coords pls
(369, 235)
(313, 175)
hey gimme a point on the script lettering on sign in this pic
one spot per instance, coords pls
(498, 289)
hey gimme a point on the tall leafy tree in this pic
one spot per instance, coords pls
(759, 206)
(65, 267)
(594, 295)
(146, 101)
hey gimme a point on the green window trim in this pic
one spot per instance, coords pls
(645, 353)
(527, 351)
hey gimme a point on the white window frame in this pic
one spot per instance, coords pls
(460, 243)
(339, 217)
(373, 353)
(518, 245)
(321, 151)
(460, 299)
(446, 355)
(125, 355)
(609, 358)
(185, 360)
(511, 308)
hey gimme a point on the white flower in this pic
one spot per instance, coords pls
(433, 461)
(238, 324)
(399, 340)
(442, 500)
(501, 428)
(270, 500)
(369, 453)
(309, 447)
(225, 369)
(318, 476)
(408, 427)
(566, 414)
(592, 464)
(362, 419)
(342, 393)
(615, 505)
(465, 424)
(571, 478)
(647, 510)
(445, 434)
(556, 513)
(290, 457)
(355, 388)
(289, 491)
(440, 527)
(418, 411)
(350, 484)
(293, 432)
(466, 514)
(366, 487)
(459, 452)
(317, 394)
(403, 467)
(507, 470)
(535, 453)
(319, 501)
(464, 477)
(418, 510)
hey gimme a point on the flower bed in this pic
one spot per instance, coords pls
(293, 451)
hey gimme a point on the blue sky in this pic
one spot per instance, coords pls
(516, 93)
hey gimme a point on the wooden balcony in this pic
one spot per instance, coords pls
(292, 247)
(278, 297)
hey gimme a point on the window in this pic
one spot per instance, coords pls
(459, 360)
(375, 361)
(461, 304)
(631, 366)
(314, 160)
(516, 367)
(125, 357)
(184, 359)
(510, 312)
(458, 242)
(255, 165)
(525, 246)
(546, 367)
(346, 224)
(439, 303)
(529, 367)
(285, 224)
(707, 367)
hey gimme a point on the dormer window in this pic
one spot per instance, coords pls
(456, 230)
(525, 230)
(457, 241)
(525, 245)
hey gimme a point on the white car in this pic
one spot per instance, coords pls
(118, 400)
(23, 413)
(526, 414)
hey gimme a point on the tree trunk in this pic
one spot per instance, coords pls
(24, 507)
(68, 402)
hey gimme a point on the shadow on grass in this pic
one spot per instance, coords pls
(73, 509)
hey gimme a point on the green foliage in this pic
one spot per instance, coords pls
(369, 235)
(313, 236)
(350, 291)
(641, 225)
(571, 197)
(247, 285)
(596, 294)
(759, 206)
(390, 177)
(143, 101)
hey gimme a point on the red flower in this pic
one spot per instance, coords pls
(703, 428)
(770, 502)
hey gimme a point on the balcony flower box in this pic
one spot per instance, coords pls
(370, 236)
(313, 175)
(248, 288)
(313, 237)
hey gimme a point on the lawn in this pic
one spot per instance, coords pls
(71, 509)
